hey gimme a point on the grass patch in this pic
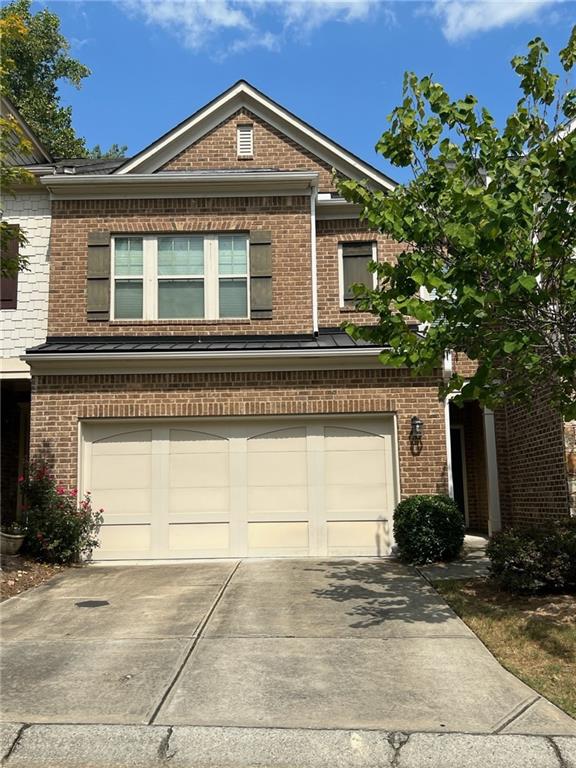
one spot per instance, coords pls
(532, 637)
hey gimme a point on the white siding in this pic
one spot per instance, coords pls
(26, 325)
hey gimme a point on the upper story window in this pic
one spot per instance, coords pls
(354, 259)
(180, 277)
(245, 140)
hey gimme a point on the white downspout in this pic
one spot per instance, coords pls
(313, 198)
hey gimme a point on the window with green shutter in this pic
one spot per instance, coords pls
(181, 277)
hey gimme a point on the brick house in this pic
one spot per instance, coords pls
(195, 378)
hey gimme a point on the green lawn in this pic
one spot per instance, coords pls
(533, 637)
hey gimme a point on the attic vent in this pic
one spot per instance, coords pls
(245, 138)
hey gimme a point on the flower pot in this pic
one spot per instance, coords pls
(10, 543)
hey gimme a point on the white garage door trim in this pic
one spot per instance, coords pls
(313, 518)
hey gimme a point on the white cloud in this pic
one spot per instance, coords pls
(247, 24)
(462, 18)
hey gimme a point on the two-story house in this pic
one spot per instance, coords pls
(195, 378)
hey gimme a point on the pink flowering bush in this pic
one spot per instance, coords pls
(60, 527)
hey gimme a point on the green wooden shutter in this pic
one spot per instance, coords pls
(98, 276)
(260, 275)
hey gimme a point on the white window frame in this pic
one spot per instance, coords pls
(248, 130)
(150, 277)
(341, 245)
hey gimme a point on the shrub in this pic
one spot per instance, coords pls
(428, 528)
(529, 561)
(60, 528)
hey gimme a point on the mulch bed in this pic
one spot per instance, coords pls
(18, 573)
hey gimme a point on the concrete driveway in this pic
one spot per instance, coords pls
(289, 644)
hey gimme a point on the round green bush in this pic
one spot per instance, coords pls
(428, 528)
(535, 560)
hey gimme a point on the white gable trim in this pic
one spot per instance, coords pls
(222, 108)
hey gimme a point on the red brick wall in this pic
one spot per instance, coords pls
(272, 149)
(463, 365)
(329, 234)
(58, 402)
(570, 454)
(532, 468)
(288, 218)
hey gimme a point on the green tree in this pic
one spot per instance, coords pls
(114, 151)
(488, 267)
(12, 140)
(40, 59)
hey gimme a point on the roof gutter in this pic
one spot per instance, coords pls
(271, 354)
(95, 186)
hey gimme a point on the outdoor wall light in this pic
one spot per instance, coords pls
(416, 428)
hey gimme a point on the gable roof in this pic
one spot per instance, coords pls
(242, 94)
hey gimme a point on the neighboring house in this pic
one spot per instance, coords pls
(195, 378)
(24, 299)
(23, 310)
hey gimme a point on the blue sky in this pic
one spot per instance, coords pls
(338, 64)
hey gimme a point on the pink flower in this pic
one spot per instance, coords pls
(21, 479)
(74, 492)
(60, 490)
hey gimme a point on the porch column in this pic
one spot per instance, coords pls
(494, 518)
(449, 475)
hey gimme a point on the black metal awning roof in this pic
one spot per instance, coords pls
(327, 339)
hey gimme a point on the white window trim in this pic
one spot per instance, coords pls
(248, 130)
(343, 304)
(150, 278)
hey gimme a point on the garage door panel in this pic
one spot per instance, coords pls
(126, 472)
(285, 439)
(359, 498)
(194, 470)
(199, 537)
(351, 468)
(125, 538)
(277, 499)
(371, 536)
(348, 438)
(121, 443)
(280, 468)
(123, 501)
(192, 441)
(198, 500)
(277, 536)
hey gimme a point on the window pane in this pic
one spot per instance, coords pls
(128, 299)
(356, 271)
(128, 256)
(232, 256)
(180, 299)
(180, 255)
(233, 298)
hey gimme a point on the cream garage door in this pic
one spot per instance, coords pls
(242, 488)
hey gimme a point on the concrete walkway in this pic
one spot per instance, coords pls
(254, 647)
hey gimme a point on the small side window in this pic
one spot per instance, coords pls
(354, 261)
(9, 285)
(245, 141)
